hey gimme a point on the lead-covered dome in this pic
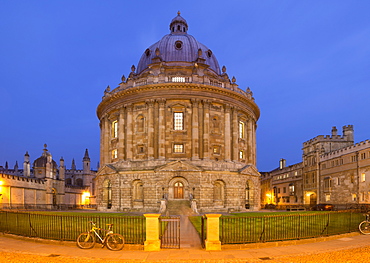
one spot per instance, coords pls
(178, 46)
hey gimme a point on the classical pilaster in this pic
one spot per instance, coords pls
(206, 105)
(150, 104)
(105, 157)
(227, 136)
(235, 140)
(254, 142)
(162, 129)
(129, 132)
(249, 135)
(195, 129)
(156, 128)
(200, 130)
(121, 134)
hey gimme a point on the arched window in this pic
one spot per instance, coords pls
(54, 192)
(138, 193)
(140, 123)
(248, 195)
(79, 182)
(114, 129)
(219, 193)
(178, 120)
(215, 124)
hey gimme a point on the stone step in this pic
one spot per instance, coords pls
(179, 207)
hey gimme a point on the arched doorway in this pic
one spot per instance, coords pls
(54, 192)
(107, 194)
(178, 190)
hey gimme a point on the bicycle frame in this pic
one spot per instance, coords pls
(113, 241)
(107, 232)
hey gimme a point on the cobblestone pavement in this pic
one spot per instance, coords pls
(357, 255)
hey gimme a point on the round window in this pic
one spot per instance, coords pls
(178, 45)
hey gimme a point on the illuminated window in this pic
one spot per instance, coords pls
(114, 129)
(363, 177)
(241, 154)
(178, 148)
(178, 120)
(114, 154)
(327, 197)
(178, 79)
(241, 129)
(216, 149)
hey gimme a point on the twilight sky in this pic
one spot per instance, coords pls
(307, 63)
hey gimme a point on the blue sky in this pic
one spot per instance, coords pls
(307, 63)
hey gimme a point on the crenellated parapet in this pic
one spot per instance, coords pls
(350, 149)
(328, 143)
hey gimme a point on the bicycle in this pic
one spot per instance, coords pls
(113, 241)
(365, 225)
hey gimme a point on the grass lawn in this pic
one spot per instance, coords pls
(274, 226)
(68, 225)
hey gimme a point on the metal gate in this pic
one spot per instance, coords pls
(170, 231)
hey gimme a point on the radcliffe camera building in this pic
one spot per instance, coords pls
(178, 128)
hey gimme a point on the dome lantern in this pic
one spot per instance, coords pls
(178, 25)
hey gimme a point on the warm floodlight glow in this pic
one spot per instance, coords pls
(86, 198)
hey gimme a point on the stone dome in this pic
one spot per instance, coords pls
(44, 159)
(178, 46)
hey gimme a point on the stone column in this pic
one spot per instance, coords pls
(254, 142)
(206, 105)
(235, 136)
(162, 129)
(129, 132)
(152, 242)
(213, 232)
(227, 137)
(195, 130)
(249, 136)
(121, 134)
(200, 130)
(150, 122)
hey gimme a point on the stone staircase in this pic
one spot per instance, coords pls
(178, 207)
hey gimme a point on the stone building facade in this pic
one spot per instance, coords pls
(334, 170)
(177, 129)
(45, 185)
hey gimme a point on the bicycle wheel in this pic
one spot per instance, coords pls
(364, 227)
(115, 241)
(85, 240)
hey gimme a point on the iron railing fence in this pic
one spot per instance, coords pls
(68, 227)
(242, 230)
(42, 207)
